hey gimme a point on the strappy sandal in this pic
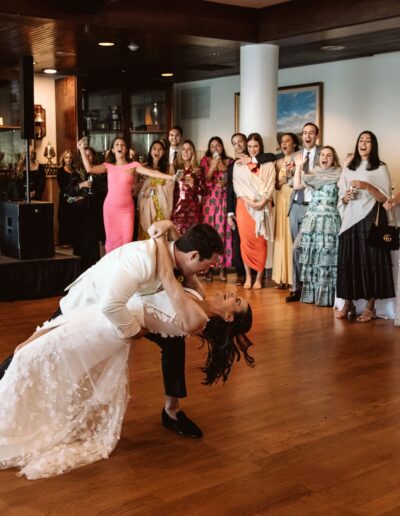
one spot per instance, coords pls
(367, 315)
(347, 312)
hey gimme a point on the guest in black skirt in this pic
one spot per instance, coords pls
(364, 272)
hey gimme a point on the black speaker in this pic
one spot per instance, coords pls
(27, 229)
(26, 97)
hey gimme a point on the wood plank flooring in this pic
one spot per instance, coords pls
(313, 429)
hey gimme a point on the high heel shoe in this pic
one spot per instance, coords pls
(347, 312)
(367, 315)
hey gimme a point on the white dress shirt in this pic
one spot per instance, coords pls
(112, 281)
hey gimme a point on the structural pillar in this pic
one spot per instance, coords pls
(259, 66)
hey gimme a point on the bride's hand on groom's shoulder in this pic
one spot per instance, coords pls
(163, 227)
(160, 228)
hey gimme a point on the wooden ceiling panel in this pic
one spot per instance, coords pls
(194, 40)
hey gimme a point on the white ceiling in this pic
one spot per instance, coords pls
(258, 4)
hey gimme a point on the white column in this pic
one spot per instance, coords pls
(259, 66)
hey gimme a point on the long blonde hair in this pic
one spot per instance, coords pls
(62, 158)
(178, 163)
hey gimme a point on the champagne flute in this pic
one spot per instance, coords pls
(90, 181)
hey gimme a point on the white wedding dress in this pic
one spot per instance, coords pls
(63, 398)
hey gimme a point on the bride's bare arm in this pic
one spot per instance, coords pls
(189, 315)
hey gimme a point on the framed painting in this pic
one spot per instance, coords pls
(297, 105)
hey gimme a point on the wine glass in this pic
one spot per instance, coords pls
(90, 181)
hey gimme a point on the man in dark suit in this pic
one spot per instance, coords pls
(174, 139)
(299, 201)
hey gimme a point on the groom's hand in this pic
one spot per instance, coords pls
(142, 333)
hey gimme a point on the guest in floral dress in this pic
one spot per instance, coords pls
(186, 207)
(154, 195)
(215, 164)
(320, 229)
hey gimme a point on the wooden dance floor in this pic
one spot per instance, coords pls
(313, 429)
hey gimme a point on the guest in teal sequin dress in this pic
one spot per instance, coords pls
(320, 230)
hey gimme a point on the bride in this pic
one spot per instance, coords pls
(63, 398)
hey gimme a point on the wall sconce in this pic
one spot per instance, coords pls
(39, 122)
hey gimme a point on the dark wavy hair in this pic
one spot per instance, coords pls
(226, 342)
(162, 164)
(111, 156)
(373, 159)
(257, 138)
(294, 138)
(202, 238)
(219, 140)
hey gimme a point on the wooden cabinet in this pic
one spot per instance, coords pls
(141, 116)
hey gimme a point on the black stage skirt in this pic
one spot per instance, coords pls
(364, 272)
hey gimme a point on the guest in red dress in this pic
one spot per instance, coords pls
(187, 207)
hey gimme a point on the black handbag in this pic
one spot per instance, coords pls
(384, 236)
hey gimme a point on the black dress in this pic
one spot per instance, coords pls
(86, 217)
(36, 184)
(364, 272)
(65, 215)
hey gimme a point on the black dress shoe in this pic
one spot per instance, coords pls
(181, 425)
(293, 296)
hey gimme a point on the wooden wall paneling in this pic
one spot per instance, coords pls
(66, 114)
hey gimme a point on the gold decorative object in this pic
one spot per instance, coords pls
(49, 153)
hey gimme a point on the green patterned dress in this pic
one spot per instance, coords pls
(319, 247)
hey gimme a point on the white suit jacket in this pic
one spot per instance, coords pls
(125, 271)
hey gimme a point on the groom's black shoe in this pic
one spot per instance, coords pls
(181, 425)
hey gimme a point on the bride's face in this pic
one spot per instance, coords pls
(227, 304)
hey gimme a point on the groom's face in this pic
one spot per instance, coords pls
(193, 263)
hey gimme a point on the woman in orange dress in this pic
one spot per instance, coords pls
(254, 187)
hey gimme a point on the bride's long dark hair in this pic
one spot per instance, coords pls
(226, 343)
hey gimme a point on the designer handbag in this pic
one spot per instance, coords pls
(384, 236)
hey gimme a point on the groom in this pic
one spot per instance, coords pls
(132, 269)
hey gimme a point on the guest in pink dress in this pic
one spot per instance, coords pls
(119, 208)
(215, 165)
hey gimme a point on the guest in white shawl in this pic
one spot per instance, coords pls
(254, 185)
(364, 272)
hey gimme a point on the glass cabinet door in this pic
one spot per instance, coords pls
(102, 118)
(148, 119)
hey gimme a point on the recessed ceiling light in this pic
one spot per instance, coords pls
(50, 71)
(167, 74)
(133, 47)
(106, 44)
(333, 48)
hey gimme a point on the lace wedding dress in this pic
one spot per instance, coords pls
(63, 398)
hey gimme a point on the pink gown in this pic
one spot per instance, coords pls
(119, 207)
